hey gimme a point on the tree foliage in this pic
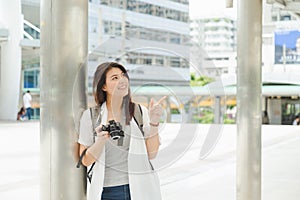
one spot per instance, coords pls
(200, 80)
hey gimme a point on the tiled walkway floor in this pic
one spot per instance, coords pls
(183, 176)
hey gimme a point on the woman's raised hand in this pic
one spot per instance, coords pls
(155, 110)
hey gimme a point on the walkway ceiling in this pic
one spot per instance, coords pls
(288, 5)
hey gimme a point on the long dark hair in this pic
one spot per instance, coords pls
(101, 96)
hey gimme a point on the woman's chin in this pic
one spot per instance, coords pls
(121, 94)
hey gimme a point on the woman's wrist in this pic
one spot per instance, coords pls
(154, 124)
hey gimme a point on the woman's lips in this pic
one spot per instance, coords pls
(122, 87)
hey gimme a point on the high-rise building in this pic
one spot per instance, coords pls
(214, 44)
(149, 37)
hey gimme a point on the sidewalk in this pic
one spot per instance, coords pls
(214, 178)
(19, 155)
(187, 177)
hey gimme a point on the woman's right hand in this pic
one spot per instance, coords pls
(101, 134)
(93, 152)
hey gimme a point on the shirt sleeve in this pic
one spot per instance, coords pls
(86, 129)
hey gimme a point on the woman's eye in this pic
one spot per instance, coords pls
(114, 78)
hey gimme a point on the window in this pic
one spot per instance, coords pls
(175, 38)
(159, 61)
(175, 62)
(32, 78)
(93, 25)
(148, 61)
(285, 18)
(151, 9)
(0, 65)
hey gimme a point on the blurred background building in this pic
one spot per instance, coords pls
(159, 43)
(148, 37)
(216, 36)
(213, 51)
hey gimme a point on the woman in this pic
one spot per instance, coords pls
(21, 114)
(122, 170)
(296, 120)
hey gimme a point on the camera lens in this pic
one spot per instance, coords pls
(115, 135)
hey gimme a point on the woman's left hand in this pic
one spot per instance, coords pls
(155, 110)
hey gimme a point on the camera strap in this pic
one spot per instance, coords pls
(138, 116)
(96, 120)
(95, 117)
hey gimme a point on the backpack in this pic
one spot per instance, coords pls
(95, 112)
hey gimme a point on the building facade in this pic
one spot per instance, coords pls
(146, 36)
(281, 60)
(214, 53)
(214, 44)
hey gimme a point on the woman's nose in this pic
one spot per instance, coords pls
(122, 79)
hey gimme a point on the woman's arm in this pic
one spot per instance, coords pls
(152, 142)
(94, 151)
(87, 159)
(152, 139)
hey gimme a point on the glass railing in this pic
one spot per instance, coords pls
(31, 31)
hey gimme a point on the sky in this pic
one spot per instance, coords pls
(200, 8)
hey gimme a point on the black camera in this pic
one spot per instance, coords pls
(114, 129)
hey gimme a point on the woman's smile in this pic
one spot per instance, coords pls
(122, 86)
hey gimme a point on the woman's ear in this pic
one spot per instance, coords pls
(104, 88)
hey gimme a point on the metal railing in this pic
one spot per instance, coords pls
(31, 31)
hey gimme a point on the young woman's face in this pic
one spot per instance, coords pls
(116, 83)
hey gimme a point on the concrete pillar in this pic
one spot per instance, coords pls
(217, 110)
(275, 111)
(11, 19)
(189, 111)
(249, 44)
(264, 105)
(64, 26)
(168, 108)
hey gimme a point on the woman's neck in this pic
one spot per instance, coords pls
(114, 107)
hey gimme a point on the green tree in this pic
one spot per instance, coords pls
(200, 80)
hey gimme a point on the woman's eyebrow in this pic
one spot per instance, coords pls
(115, 75)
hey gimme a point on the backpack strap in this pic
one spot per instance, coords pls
(95, 118)
(138, 116)
(95, 115)
(80, 158)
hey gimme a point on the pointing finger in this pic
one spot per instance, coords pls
(159, 101)
(151, 103)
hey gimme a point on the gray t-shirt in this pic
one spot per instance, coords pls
(116, 160)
